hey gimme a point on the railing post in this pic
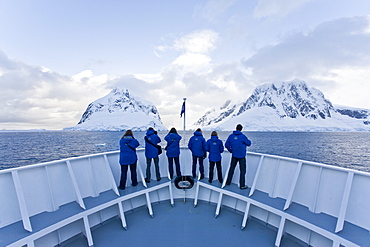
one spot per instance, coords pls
(88, 231)
(344, 204)
(50, 189)
(111, 177)
(141, 175)
(148, 203)
(273, 184)
(219, 204)
(317, 190)
(21, 202)
(246, 213)
(280, 231)
(226, 176)
(122, 215)
(293, 185)
(171, 194)
(336, 244)
(253, 188)
(196, 195)
(75, 185)
(93, 177)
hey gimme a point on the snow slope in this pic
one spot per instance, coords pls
(286, 106)
(118, 111)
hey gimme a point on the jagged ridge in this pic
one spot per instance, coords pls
(286, 100)
(290, 100)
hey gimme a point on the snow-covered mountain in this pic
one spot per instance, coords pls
(119, 110)
(286, 106)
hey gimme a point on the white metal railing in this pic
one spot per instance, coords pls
(338, 192)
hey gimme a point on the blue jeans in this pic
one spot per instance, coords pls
(170, 166)
(124, 169)
(156, 164)
(201, 167)
(243, 170)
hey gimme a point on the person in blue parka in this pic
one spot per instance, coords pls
(128, 158)
(151, 152)
(215, 147)
(173, 151)
(197, 146)
(237, 144)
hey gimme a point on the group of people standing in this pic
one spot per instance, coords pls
(236, 144)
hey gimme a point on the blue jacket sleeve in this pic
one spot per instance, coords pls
(228, 144)
(190, 143)
(221, 146)
(134, 143)
(247, 141)
(207, 146)
(167, 138)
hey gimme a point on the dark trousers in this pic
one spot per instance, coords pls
(156, 164)
(124, 169)
(219, 170)
(201, 167)
(170, 166)
(243, 170)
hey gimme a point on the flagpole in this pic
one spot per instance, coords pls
(184, 123)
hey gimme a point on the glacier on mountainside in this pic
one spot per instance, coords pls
(118, 111)
(285, 106)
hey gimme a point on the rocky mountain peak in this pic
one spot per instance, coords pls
(289, 99)
(285, 102)
(120, 110)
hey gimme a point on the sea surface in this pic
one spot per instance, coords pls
(344, 149)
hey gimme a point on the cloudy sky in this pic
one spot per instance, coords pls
(58, 56)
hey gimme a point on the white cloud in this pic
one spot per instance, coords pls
(280, 8)
(334, 57)
(351, 87)
(202, 41)
(211, 9)
(191, 62)
(36, 97)
(332, 45)
(194, 56)
(189, 46)
(367, 30)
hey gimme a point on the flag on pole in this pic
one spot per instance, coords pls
(182, 109)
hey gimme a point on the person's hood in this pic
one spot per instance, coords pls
(214, 138)
(127, 139)
(174, 135)
(198, 133)
(237, 132)
(150, 132)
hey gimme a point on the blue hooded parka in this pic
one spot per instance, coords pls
(127, 155)
(197, 144)
(173, 145)
(150, 150)
(237, 144)
(215, 147)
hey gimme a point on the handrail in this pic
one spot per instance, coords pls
(225, 151)
(337, 192)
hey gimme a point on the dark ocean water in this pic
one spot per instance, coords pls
(345, 149)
